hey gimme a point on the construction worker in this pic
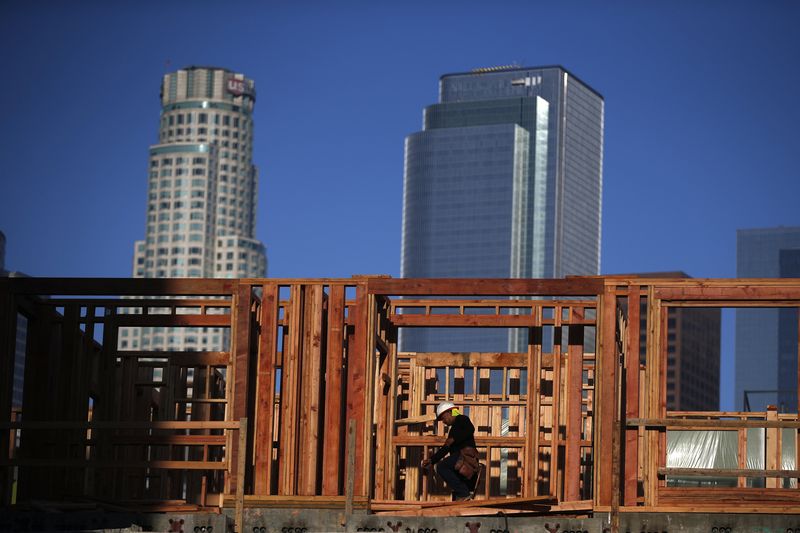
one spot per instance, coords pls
(461, 469)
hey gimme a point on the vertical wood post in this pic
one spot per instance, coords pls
(357, 367)
(290, 393)
(241, 352)
(309, 448)
(632, 363)
(351, 470)
(533, 423)
(653, 386)
(606, 392)
(574, 397)
(241, 461)
(773, 447)
(334, 433)
(265, 395)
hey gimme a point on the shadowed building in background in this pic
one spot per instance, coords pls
(504, 181)
(202, 185)
(766, 339)
(21, 335)
(693, 351)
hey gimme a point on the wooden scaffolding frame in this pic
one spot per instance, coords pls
(311, 403)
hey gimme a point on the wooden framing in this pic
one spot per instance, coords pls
(572, 421)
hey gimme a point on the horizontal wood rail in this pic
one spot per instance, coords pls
(727, 472)
(154, 464)
(688, 424)
(121, 425)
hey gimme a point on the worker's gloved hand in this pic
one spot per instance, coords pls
(425, 463)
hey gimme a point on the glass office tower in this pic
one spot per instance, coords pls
(202, 191)
(766, 339)
(504, 181)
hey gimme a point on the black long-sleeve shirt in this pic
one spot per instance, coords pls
(463, 434)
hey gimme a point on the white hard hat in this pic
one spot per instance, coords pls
(444, 406)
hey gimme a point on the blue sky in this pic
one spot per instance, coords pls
(701, 124)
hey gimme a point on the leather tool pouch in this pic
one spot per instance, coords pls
(467, 464)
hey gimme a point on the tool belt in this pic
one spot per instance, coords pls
(467, 463)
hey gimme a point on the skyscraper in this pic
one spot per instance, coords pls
(766, 339)
(201, 209)
(505, 180)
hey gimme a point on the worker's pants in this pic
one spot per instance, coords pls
(457, 483)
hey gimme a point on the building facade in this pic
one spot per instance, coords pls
(693, 352)
(504, 180)
(202, 193)
(766, 339)
(21, 338)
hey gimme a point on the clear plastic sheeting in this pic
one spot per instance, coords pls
(756, 455)
(702, 449)
(789, 455)
(756, 448)
(719, 449)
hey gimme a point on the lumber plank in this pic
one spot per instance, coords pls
(123, 286)
(240, 349)
(290, 393)
(485, 287)
(605, 392)
(729, 472)
(631, 470)
(690, 424)
(265, 387)
(533, 414)
(574, 397)
(332, 461)
(456, 321)
(741, 291)
(555, 424)
(204, 321)
(356, 406)
(182, 358)
(471, 359)
(310, 393)
(773, 447)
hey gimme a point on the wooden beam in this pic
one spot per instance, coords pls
(692, 424)
(486, 287)
(357, 357)
(204, 321)
(333, 436)
(188, 359)
(241, 350)
(574, 398)
(462, 321)
(265, 391)
(606, 396)
(123, 286)
(309, 437)
(240, 474)
(290, 393)
(533, 421)
(728, 472)
(632, 342)
(738, 291)
(472, 359)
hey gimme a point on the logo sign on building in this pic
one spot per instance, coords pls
(237, 87)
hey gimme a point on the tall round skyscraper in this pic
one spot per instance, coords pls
(202, 189)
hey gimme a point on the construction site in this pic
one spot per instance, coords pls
(311, 418)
